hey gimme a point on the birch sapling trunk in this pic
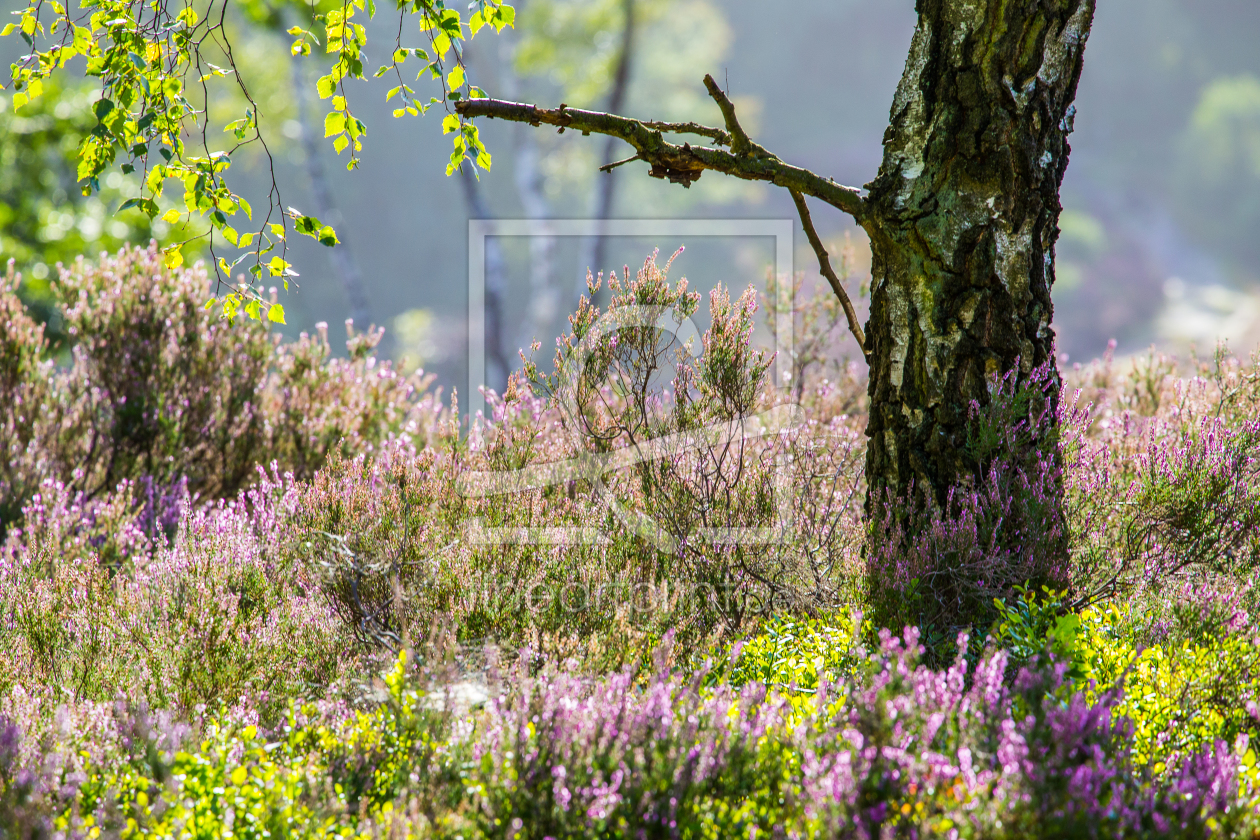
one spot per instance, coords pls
(963, 219)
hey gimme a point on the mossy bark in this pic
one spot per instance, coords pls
(963, 219)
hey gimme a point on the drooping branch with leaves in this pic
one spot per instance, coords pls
(158, 62)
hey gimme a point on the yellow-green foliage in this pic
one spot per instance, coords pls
(1178, 695)
(794, 654)
(231, 784)
(317, 780)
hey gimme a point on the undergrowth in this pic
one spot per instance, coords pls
(248, 586)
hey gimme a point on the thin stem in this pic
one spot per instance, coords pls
(609, 167)
(824, 267)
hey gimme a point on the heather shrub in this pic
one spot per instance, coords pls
(217, 617)
(898, 749)
(677, 564)
(474, 534)
(396, 552)
(156, 389)
(1193, 504)
(1155, 499)
(942, 566)
(374, 532)
(24, 380)
(709, 469)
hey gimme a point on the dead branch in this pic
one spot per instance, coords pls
(681, 164)
(824, 267)
(609, 167)
(742, 145)
(717, 135)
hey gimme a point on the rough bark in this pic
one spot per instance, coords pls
(963, 221)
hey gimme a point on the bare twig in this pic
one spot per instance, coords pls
(717, 135)
(609, 167)
(824, 267)
(742, 145)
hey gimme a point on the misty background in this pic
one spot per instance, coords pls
(1161, 222)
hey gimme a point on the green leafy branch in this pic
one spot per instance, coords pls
(446, 30)
(153, 59)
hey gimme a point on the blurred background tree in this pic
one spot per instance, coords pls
(1218, 173)
(44, 217)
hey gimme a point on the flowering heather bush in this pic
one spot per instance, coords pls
(941, 567)
(216, 618)
(188, 639)
(899, 750)
(161, 391)
(714, 495)
(1163, 476)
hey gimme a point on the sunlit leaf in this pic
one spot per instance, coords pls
(334, 124)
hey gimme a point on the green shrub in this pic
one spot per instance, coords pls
(1179, 694)
(794, 655)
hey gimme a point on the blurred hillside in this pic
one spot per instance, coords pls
(1162, 223)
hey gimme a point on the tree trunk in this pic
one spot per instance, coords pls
(963, 219)
(498, 368)
(596, 251)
